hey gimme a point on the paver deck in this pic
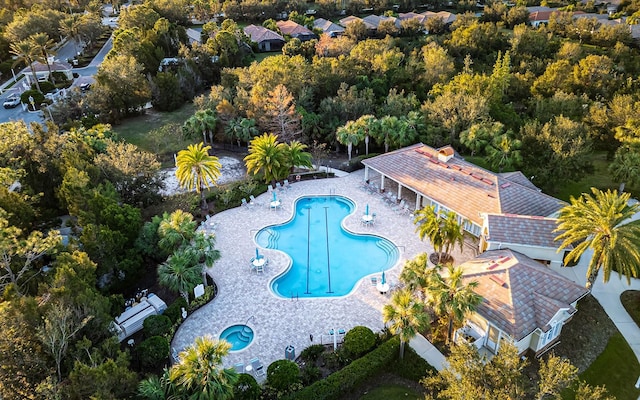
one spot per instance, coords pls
(245, 297)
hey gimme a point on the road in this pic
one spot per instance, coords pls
(84, 75)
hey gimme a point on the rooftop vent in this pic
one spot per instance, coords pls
(445, 153)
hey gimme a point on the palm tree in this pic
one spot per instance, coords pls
(181, 272)
(267, 157)
(27, 52)
(70, 27)
(242, 129)
(442, 229)
(370, 125)
(199, 373)
(297, 156)
(406, 317)
(201, 123)
(451, 297)
(44, 45)
(157, 388)
(625, 167)
(204, 246)
(176, 230)
(504, 152)
(600, 222)
(197, 170)
(415, 273)
(350, 134)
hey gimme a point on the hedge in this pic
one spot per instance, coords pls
(156, 325)
(358, 341)
(351, 376)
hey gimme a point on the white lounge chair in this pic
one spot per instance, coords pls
(239, 367)
(286, 184)
(257, 367)
(279, 186)
(254, 201)
(245, 203)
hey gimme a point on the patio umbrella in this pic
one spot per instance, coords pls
(274, 196)
(366, 210)
(384, 279)
(257, 254)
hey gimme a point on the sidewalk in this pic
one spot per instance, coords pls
(426, 350)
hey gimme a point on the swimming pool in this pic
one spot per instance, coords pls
(327, 260)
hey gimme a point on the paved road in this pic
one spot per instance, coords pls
(84, 75)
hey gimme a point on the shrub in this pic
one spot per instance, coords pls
(157, 325)
(174, 310)
(153, 352)
(46, 86)
(359, 341)
(209, 293)
(283, 374)
(38, 98)
(246, 388)
(337, 384)
(310, 374)
(311, 353)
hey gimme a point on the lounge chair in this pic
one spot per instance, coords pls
(374, 281)
(279, 186)
(239, 368)
(245, 203)
(286, 184)
(254, 201)
(270, 188)
(257, 367)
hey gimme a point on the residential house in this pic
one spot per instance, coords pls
(524, 301)
(447, 17)
(542, 17)
(532, 236)
(411, 15)
(194, 35)
(347, 20)
(375, 20)
(267, 40)
(295, 30)
(442, 178)
(328, 27)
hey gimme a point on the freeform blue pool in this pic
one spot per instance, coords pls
(239, 336)
(327, 260)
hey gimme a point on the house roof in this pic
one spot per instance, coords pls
(519, 294)
(55, 66)
(447, 17)
(411, 15)
(540, 16)
(293, 29)
(327, 26)
(522, 230)
(347, 20)
(461, 186)
(375, 20)
(260, 34)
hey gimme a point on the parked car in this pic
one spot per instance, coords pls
(85, 86)
(12, 101)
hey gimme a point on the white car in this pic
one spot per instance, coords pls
(12, 102)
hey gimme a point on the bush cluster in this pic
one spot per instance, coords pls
(157, 325)
(173, 312)
(246, 388)
(353, 375)
(153, 352)
(282, 375)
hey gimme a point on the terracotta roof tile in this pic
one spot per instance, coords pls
(292, 28)
(522, 229)
(529, 297)
(459, 185)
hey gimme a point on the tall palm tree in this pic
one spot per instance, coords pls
(199, 373)
(599, 221)
(176, 230)
(242, 129)
(267, 157)
(70, 27)
(442, 229)
(504, 152)
(204, 246)
(415, 273)
(181, 272)
(44, 45)
(297, 156)
(350, 134)
(197, 170)
(201, 123)
(406, 316)
(27, 52)
(451, 297)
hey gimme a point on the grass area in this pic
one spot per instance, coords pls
(262, 56)
(617, 368)
(600, 178)
(391, 392)
(630, 299)
(157, 132)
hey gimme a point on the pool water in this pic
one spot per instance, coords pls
(239, 336)
(327, 260)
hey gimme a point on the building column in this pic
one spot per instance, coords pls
(418, 200)
(399, 196)
(366, 173)
(382, 183)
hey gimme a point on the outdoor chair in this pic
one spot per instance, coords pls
(257, 367)
(374, 281)
(245, 203)
(270, 188)
(286, 184)
(254, 201)
(279, 187)
(239, 368)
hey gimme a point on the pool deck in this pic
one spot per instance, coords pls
(277, 323)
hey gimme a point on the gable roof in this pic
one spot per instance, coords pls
(522, 230)
(446, 16)
(411, 15)
(461, 186)
(327, 26)
(55, 66)
(347, 20)
(375, 20)
(293, 29)
(519, 294)
(260, 34)
(541, 16)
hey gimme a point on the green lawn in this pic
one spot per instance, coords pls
(391, 392)
(157, 132)
(617, 368)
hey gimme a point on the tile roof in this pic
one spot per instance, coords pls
(411, 15)
(447, 17)
(55, 66)
(519, 294)
(327, 26)
(292, 28)
(347, 20)
(461, 186)
(260, 34)
(522, 229)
